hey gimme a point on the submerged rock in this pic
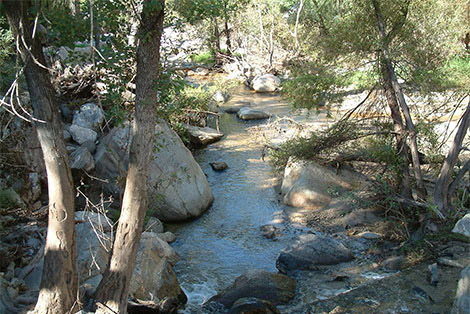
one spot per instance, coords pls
(246, 113)
(261, 284)
(218, 165)
(253, 306)
(178, 189)
(203, 136)
(310, 251)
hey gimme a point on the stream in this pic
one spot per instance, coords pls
(226, 241)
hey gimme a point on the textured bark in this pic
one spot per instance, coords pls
(385, 39)
(112, 292)
(404, 184)
(441, 189)
(59, 282)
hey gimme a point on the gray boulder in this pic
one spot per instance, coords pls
(261, 284)
(310, 251)
(202, 136)
(246, 113)
(253, 306)
(154, 225)
(178, 189)
(307, 184)
(463, 226)
(218, 165)
(266, 83)
(89, 116)
(81, 134)
(153, 276)
(462, 295)
(82, 159)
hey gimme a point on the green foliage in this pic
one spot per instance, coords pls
(7, 64)
(203, 58)
(7, 198)
(63, 28)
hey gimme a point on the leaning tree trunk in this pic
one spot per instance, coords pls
(420, 188)
(404, 183)
(112, 292)
(441, 189)
(59, 283)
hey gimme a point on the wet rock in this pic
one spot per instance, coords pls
(307, 184)
(218, 165)
(203, 136)
(178, 189)
(246, 113)
(448, 262)
(82, 159)
(82, 135)
(266, 83)
(369, 235)
(310, 251)
(253, 306)
(154, 225)
(168, 236)
(396, 263)
(270, 232)
(433, 274)
(237, 106)
(89, 116)
(463, 226)
(275, 288)
(462, 295)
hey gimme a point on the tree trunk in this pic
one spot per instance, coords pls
(296, 29)
(112, 292)
(420, 188)
(59, 282)
(441, 189)
(404, 184)
(216, 37)
(227, 31)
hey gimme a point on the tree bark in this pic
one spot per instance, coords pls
(420, 188)
(59, 281)
(228, 42)
(112, 292)
(216, 37)
(404, 183)
(441, 189)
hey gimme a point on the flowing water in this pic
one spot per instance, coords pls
(226, 241)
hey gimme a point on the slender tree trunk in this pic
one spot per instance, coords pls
(228, 42)
(216, 37)
(262, 39)
(404, 184)
(296, 29)
(112, 292)
(441, 189)
(271, 38)
(59, 282)
(420, 188)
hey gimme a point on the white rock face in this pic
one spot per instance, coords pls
(462, 295)
(306, 184)
(266, 83)
(178, 189)
(89, 116)
(82, 135)
(463, 226)
(247, 113)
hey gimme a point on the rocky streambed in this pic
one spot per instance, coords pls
(234, 251)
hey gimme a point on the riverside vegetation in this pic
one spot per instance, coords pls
(135, 140)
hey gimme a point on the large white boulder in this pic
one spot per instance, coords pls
(463, 226)
(307, 184)
(266, 83)
(178, 189)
